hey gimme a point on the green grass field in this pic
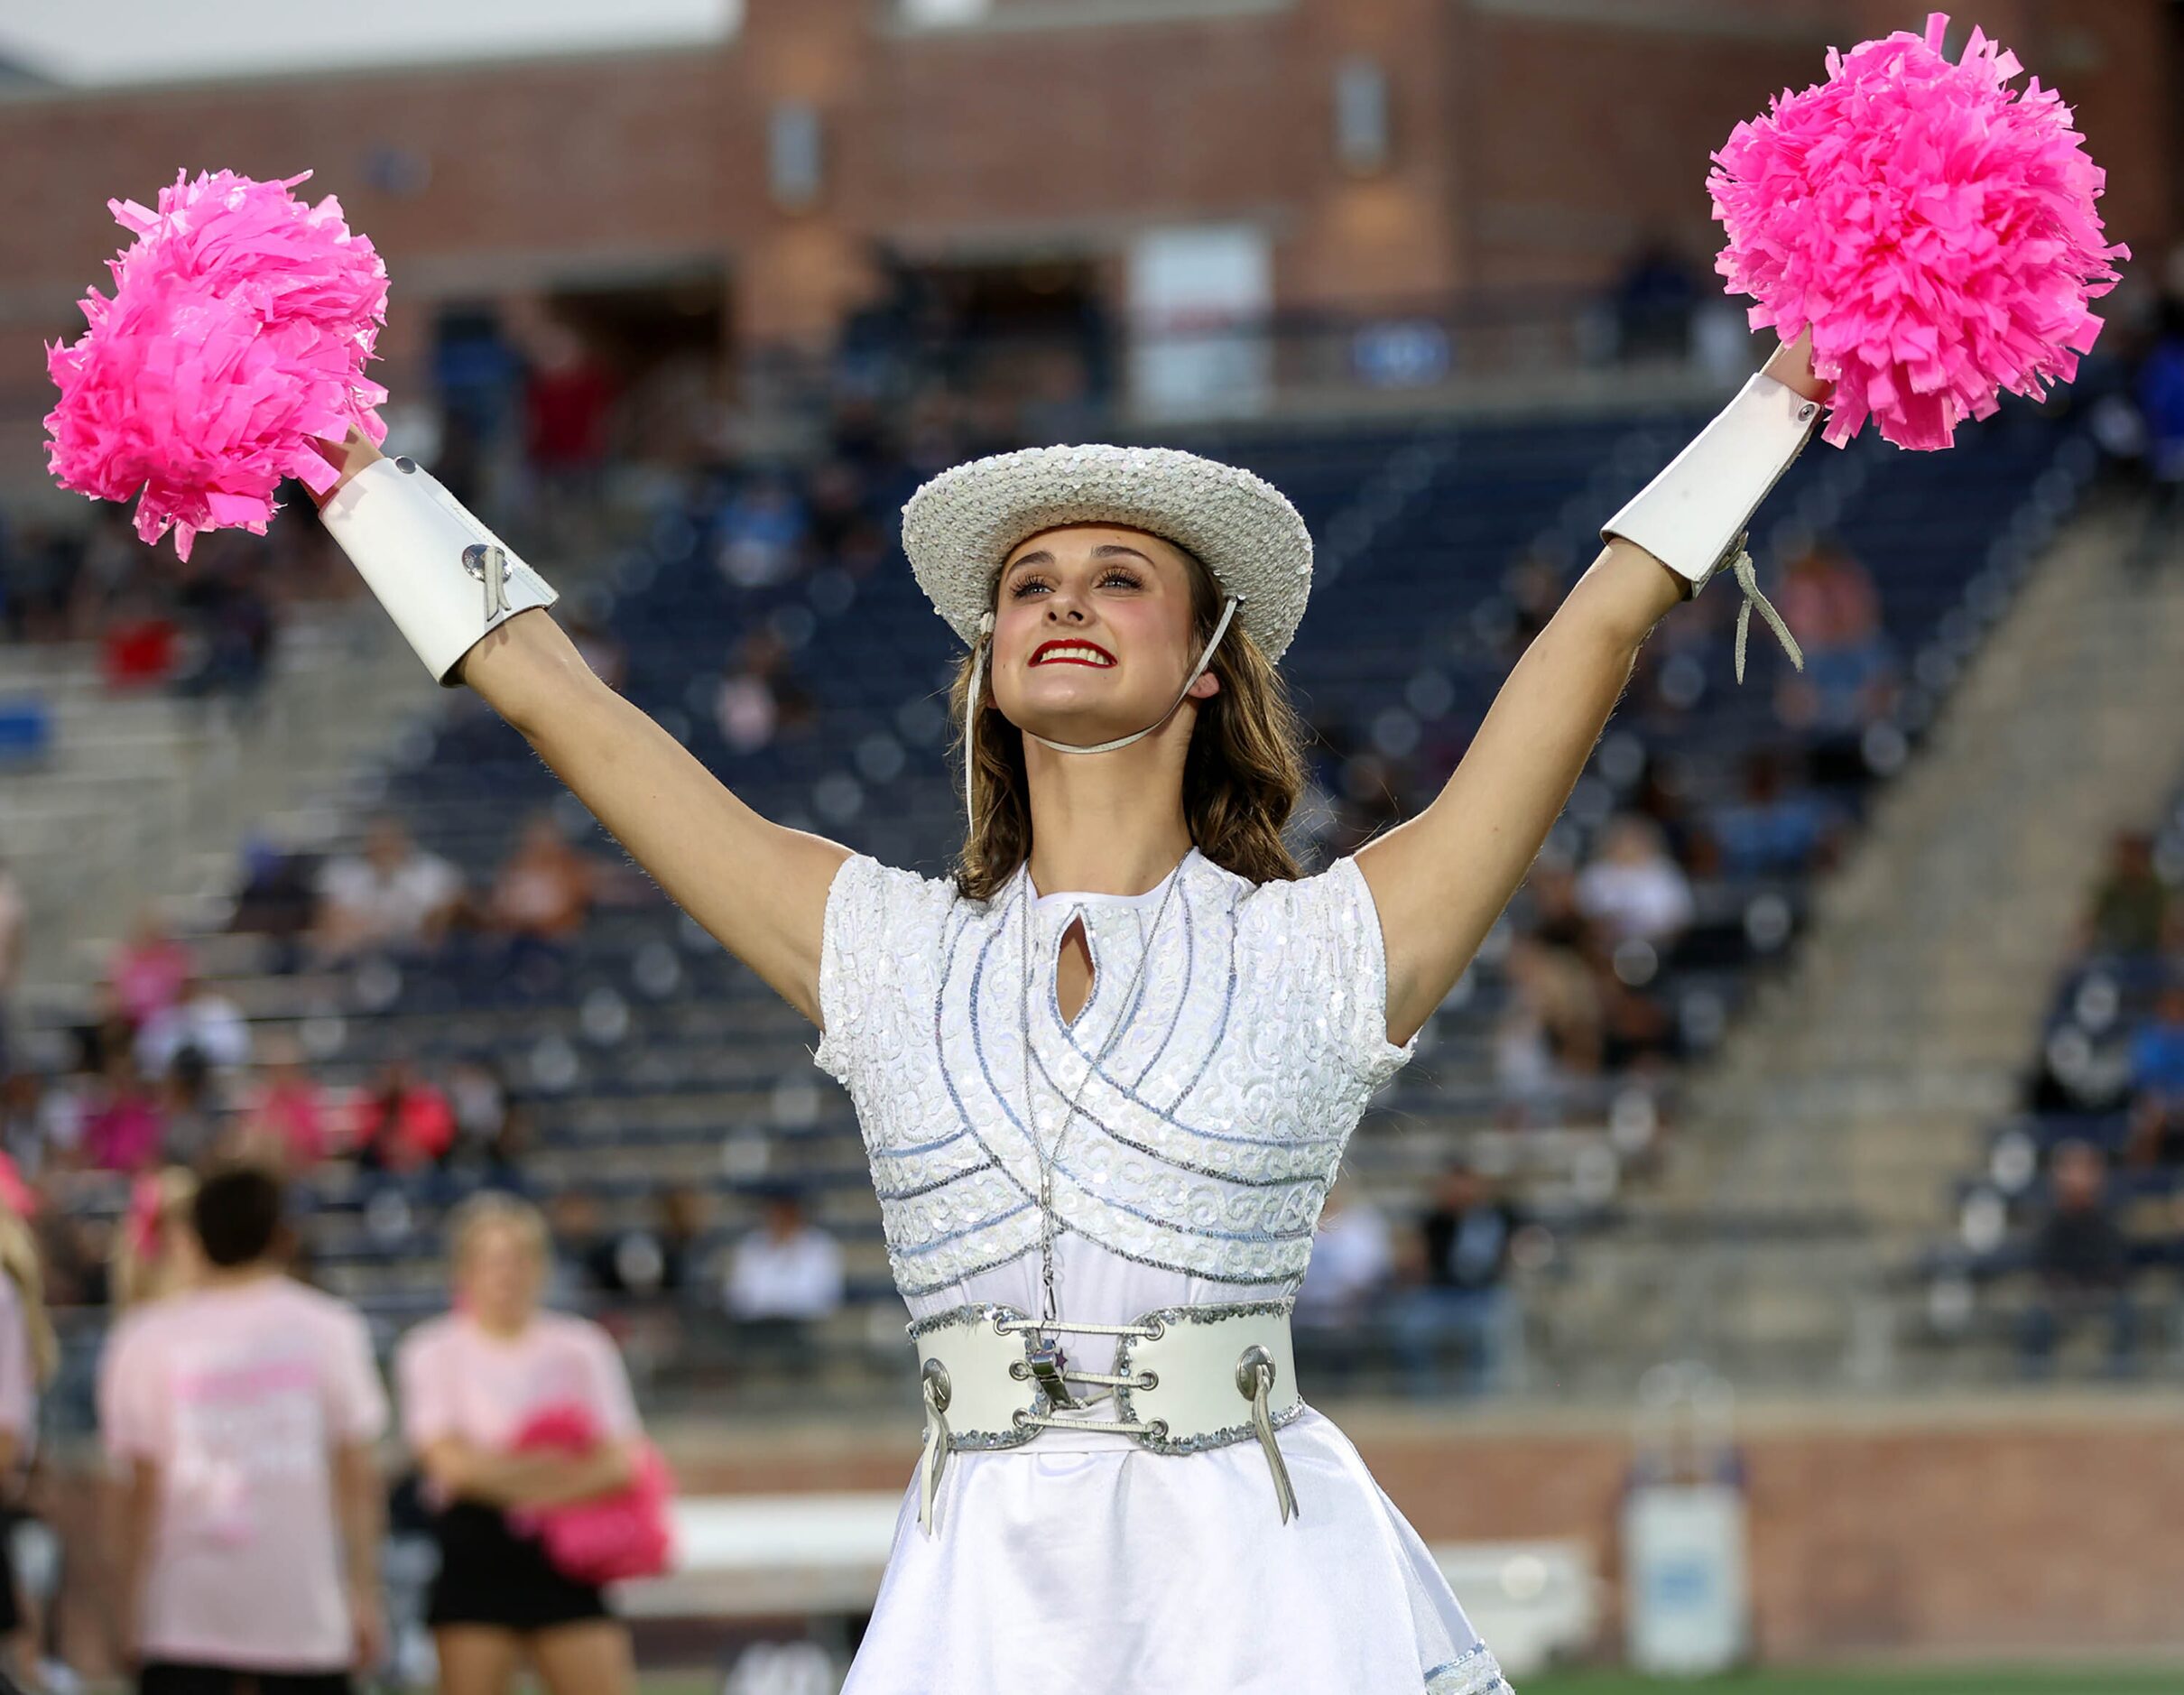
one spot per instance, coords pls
(2014, 1681)
(1997, 1681)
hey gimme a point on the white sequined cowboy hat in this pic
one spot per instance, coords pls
(960, 527)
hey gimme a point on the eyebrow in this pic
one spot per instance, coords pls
(1106, 550)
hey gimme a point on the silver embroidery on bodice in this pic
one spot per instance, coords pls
(1204, 1144)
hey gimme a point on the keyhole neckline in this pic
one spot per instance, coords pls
(1150, 898)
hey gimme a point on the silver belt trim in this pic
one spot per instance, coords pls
(1184, 1379)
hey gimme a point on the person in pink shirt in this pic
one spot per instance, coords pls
(467, 1384)
(240, 1416)
(285, 1120)
(150, 969)
(125, 1130)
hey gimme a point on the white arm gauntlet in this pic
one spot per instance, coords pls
(431, 564)
(1692, 517)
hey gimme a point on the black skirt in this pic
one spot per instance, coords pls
(489, 1575)
(168, 1677)
(11, 1602)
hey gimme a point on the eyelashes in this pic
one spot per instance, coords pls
(1026, 585)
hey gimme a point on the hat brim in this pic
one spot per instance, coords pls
(960, 527)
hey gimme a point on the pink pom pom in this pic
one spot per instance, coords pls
(238, 330)
(1936, 231)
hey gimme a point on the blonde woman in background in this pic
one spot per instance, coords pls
(467, 1383)
(155, 1252)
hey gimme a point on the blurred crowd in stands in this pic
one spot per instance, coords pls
(168, 1070)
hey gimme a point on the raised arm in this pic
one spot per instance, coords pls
(757, 887)
(1442, 878)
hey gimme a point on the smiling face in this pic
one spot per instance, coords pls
(1093, 630)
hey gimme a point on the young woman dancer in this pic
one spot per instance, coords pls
(466, 1383)
(1106, 1071)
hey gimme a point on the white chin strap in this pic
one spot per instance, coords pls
(971, 716)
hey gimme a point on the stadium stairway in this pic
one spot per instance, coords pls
(1818, 1146)
(146, 794)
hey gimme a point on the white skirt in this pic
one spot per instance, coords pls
(1083, 1564)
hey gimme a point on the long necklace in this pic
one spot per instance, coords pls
(1050, 1152)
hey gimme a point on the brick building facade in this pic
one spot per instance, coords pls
(1490, 146)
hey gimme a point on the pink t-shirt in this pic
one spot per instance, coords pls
(240, 1396)
(456, 1379)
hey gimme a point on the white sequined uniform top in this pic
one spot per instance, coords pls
(1193, 1171)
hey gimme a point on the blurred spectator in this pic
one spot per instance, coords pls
(231, 618)
(2080, 1263)
(1638, 1030)
(285, 1117)
(1352, 1266)
(277, 899)
(539, 901)
(1773, 829)
(2129, 911)
(155, 1250)
(567, 395)
(574, 1274)
(761, 534)
(40, 566)
(782, 1278)
(1654, 297)
(109, 559)
(149, 968)
(193, 1120)
(124, 1129)
(489, 1126)
(1634, 889)
(42, 1118)
(647, 1262)
(406, 1124)
(394, 894)
(1548, 1037)
(758, 697)
(787, 1268)
(199, 1017)
(141, 644)
(2156, 1114)
(2159, 388)
(13, 913)
(1830, 604)
(1556, 918)
(1456, 1267)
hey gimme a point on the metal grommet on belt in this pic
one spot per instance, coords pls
(937, 1388)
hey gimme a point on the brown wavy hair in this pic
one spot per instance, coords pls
(1241, 775)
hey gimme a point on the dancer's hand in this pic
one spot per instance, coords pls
(347, 456)
(1792, 364)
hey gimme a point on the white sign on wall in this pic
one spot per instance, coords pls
(1686, 1601)
(1199, 301)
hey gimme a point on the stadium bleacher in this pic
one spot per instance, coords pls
(662, 1061)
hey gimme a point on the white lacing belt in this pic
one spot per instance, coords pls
(1199, 1340)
